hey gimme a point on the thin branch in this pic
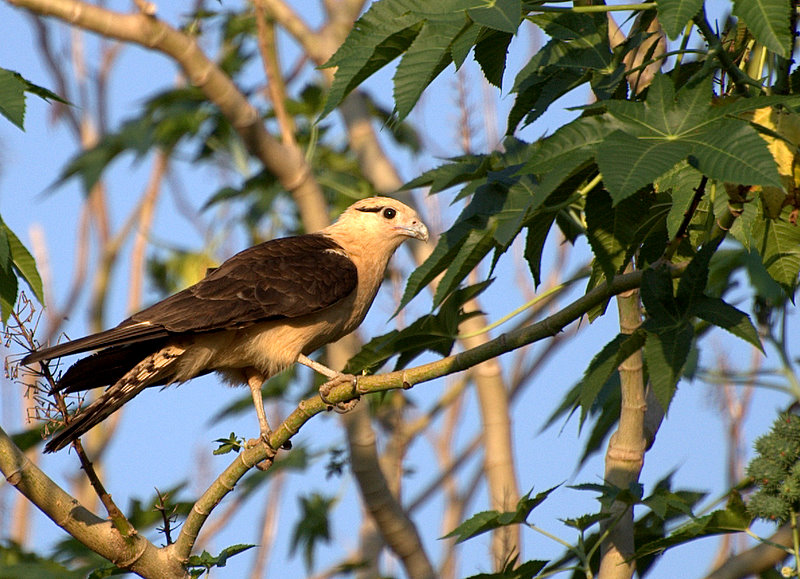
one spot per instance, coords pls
(268, 46)
(288, 164)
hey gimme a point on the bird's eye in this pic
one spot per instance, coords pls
(389, 213)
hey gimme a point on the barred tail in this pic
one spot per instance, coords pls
(157, 368)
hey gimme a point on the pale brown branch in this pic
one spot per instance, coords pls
(286, 163)
(145, 213)
(276, 89)
(134, 552)
(626, 448)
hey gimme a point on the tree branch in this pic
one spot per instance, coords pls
(134, 552)
(286, 163)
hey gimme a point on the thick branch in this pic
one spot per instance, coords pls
(503, 344)
(625, 455)
(135, 552)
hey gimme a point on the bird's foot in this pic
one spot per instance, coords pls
(335, 381)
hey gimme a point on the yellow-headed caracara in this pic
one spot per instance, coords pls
(258, 313)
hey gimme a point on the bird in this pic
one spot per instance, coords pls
(263, 310)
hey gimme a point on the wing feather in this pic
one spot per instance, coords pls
(282, 278)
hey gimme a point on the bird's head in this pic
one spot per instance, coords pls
(381, 219)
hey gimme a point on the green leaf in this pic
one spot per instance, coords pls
(681, 183)
(377, 37)
(436, 333)
(675, 14)
(664, 501)
(669, 127)
(231, 444)
(768, 20)
(604, 365)
(430, 34)
(458, 170)
(471, 251)
(426, 57)
(692, 285)
(24, 263)
(666, 351)
(491, 51)
(312, 525)
(12, 97)
(578, 45)
(538, 229)
(8, 293)
(658, 298)
(565, 152)
(490, 520)
(732, 519)
(629, 163)
(727, 317)
(733, 151)
(611, 230)
(502, 15)
(526, 570)
(18, 563)
(208, 561)
(778, 243)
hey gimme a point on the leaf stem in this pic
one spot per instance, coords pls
(599, 8)
(544, 295)
(740, 79)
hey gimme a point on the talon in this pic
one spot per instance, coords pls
(335, 381)
(343, 407)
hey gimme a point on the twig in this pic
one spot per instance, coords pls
(117, 517)
(683, 228)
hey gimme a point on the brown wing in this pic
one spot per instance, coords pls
(283, 278)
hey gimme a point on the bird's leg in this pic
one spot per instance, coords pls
(255, 381)
(334, 379)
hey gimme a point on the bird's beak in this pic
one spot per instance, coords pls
(417, 230)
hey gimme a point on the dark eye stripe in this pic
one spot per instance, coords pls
(370, 209)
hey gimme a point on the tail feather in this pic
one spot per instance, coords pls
(157, 368)
(105, 367)
(127, 332)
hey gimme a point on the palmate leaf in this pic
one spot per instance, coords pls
(24, 264)
(490, 53)
(768, 20)
(501, 202)
(425, 58)
(681, 183)
(629, 163)
(670, 127)
(733, 151)
(675, 14)
(722, 314)
(312, 526)
(12, 97)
